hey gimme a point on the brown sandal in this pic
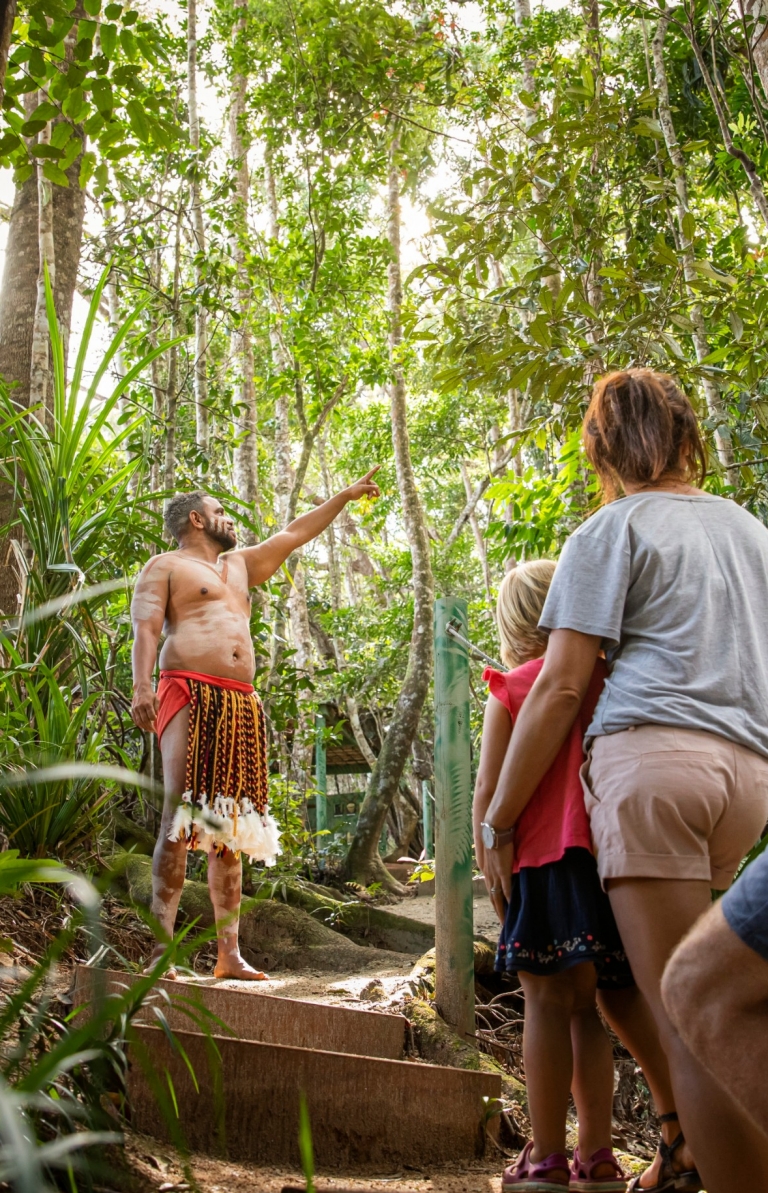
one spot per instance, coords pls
(689, 1180)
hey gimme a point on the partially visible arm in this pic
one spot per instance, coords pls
(497, 730)
(544, 722)
(148, 608)
(262, 561)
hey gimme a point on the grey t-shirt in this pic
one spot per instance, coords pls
(676, 585)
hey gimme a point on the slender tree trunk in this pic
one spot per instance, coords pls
(40, 387)
(477, 533)
(172, 392)
(723, 115)
(202, 434)
(363, 862)
(18, 301)
(7, 17)
(334, 575)
(715, 405)
(755, 12)
(246, 423)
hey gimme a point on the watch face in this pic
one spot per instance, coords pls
(488, 835)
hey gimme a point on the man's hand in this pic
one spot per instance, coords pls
(363, 488)
(144, 708)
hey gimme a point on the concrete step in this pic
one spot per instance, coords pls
(363, 1110)
(252, 1015)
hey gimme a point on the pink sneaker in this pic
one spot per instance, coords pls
(582, 1177)
(528, 1177)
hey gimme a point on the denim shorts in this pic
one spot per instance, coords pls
(745, 905)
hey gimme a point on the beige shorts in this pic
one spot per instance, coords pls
(673, 803)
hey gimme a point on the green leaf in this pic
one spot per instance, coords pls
(102, 96)
(55, 174)
(715, 357)
(737, 326)
(37, 63)
(87, 166)
(112, 11)
(51, 152)
(83, 50)
(646, 127)
(60, 134)
(108, 40)
(8, 143)
(138, 120)
(128, 42)
(689, 226)
(92, 7)
(74, 103)
(527, 98)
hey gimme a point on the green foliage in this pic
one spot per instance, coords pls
(45, 726)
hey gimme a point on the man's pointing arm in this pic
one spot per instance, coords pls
(263, 561)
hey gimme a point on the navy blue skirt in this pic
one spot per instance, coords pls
(560, 916)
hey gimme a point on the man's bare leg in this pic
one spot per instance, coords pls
(715, 990)
(169, 861)
(225, 875)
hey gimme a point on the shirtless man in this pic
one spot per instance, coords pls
(208, 718)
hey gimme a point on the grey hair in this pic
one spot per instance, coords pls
(179, 508)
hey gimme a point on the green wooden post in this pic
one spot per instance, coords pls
(321, 780)
(454, 955)
(427, 816)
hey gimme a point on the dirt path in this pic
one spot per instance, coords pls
(162, 1170)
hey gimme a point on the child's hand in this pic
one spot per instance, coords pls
(497, 872)
(364, 488)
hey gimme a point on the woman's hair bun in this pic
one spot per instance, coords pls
(637, 427)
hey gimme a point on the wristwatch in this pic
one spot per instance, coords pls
(494, 838)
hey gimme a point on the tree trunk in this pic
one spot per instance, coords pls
(18, 301)
(723, 114)
(40, 386)
(363, 862)
(172, 391)
(246, 423)
(715, 405)
(477, 533)
(756, 14)
(334, 575)
(7, 17)
(202, 435)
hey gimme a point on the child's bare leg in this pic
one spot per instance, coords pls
(225, 875)
(548, 1060)
(169, 861)
(592, 1084)
(630, 1016)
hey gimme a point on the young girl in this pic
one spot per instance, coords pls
(558, 931)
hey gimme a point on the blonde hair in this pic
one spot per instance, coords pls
(518, 608)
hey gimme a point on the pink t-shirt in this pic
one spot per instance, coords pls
(554, 818)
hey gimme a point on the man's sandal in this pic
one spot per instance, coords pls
(688, 1180)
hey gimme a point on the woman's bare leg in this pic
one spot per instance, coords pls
(630, 1016)
(653, 915)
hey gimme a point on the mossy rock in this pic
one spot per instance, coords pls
(440, 1045)
(360, 921)
(273, 934)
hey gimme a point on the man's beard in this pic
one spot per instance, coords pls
(220, 534)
